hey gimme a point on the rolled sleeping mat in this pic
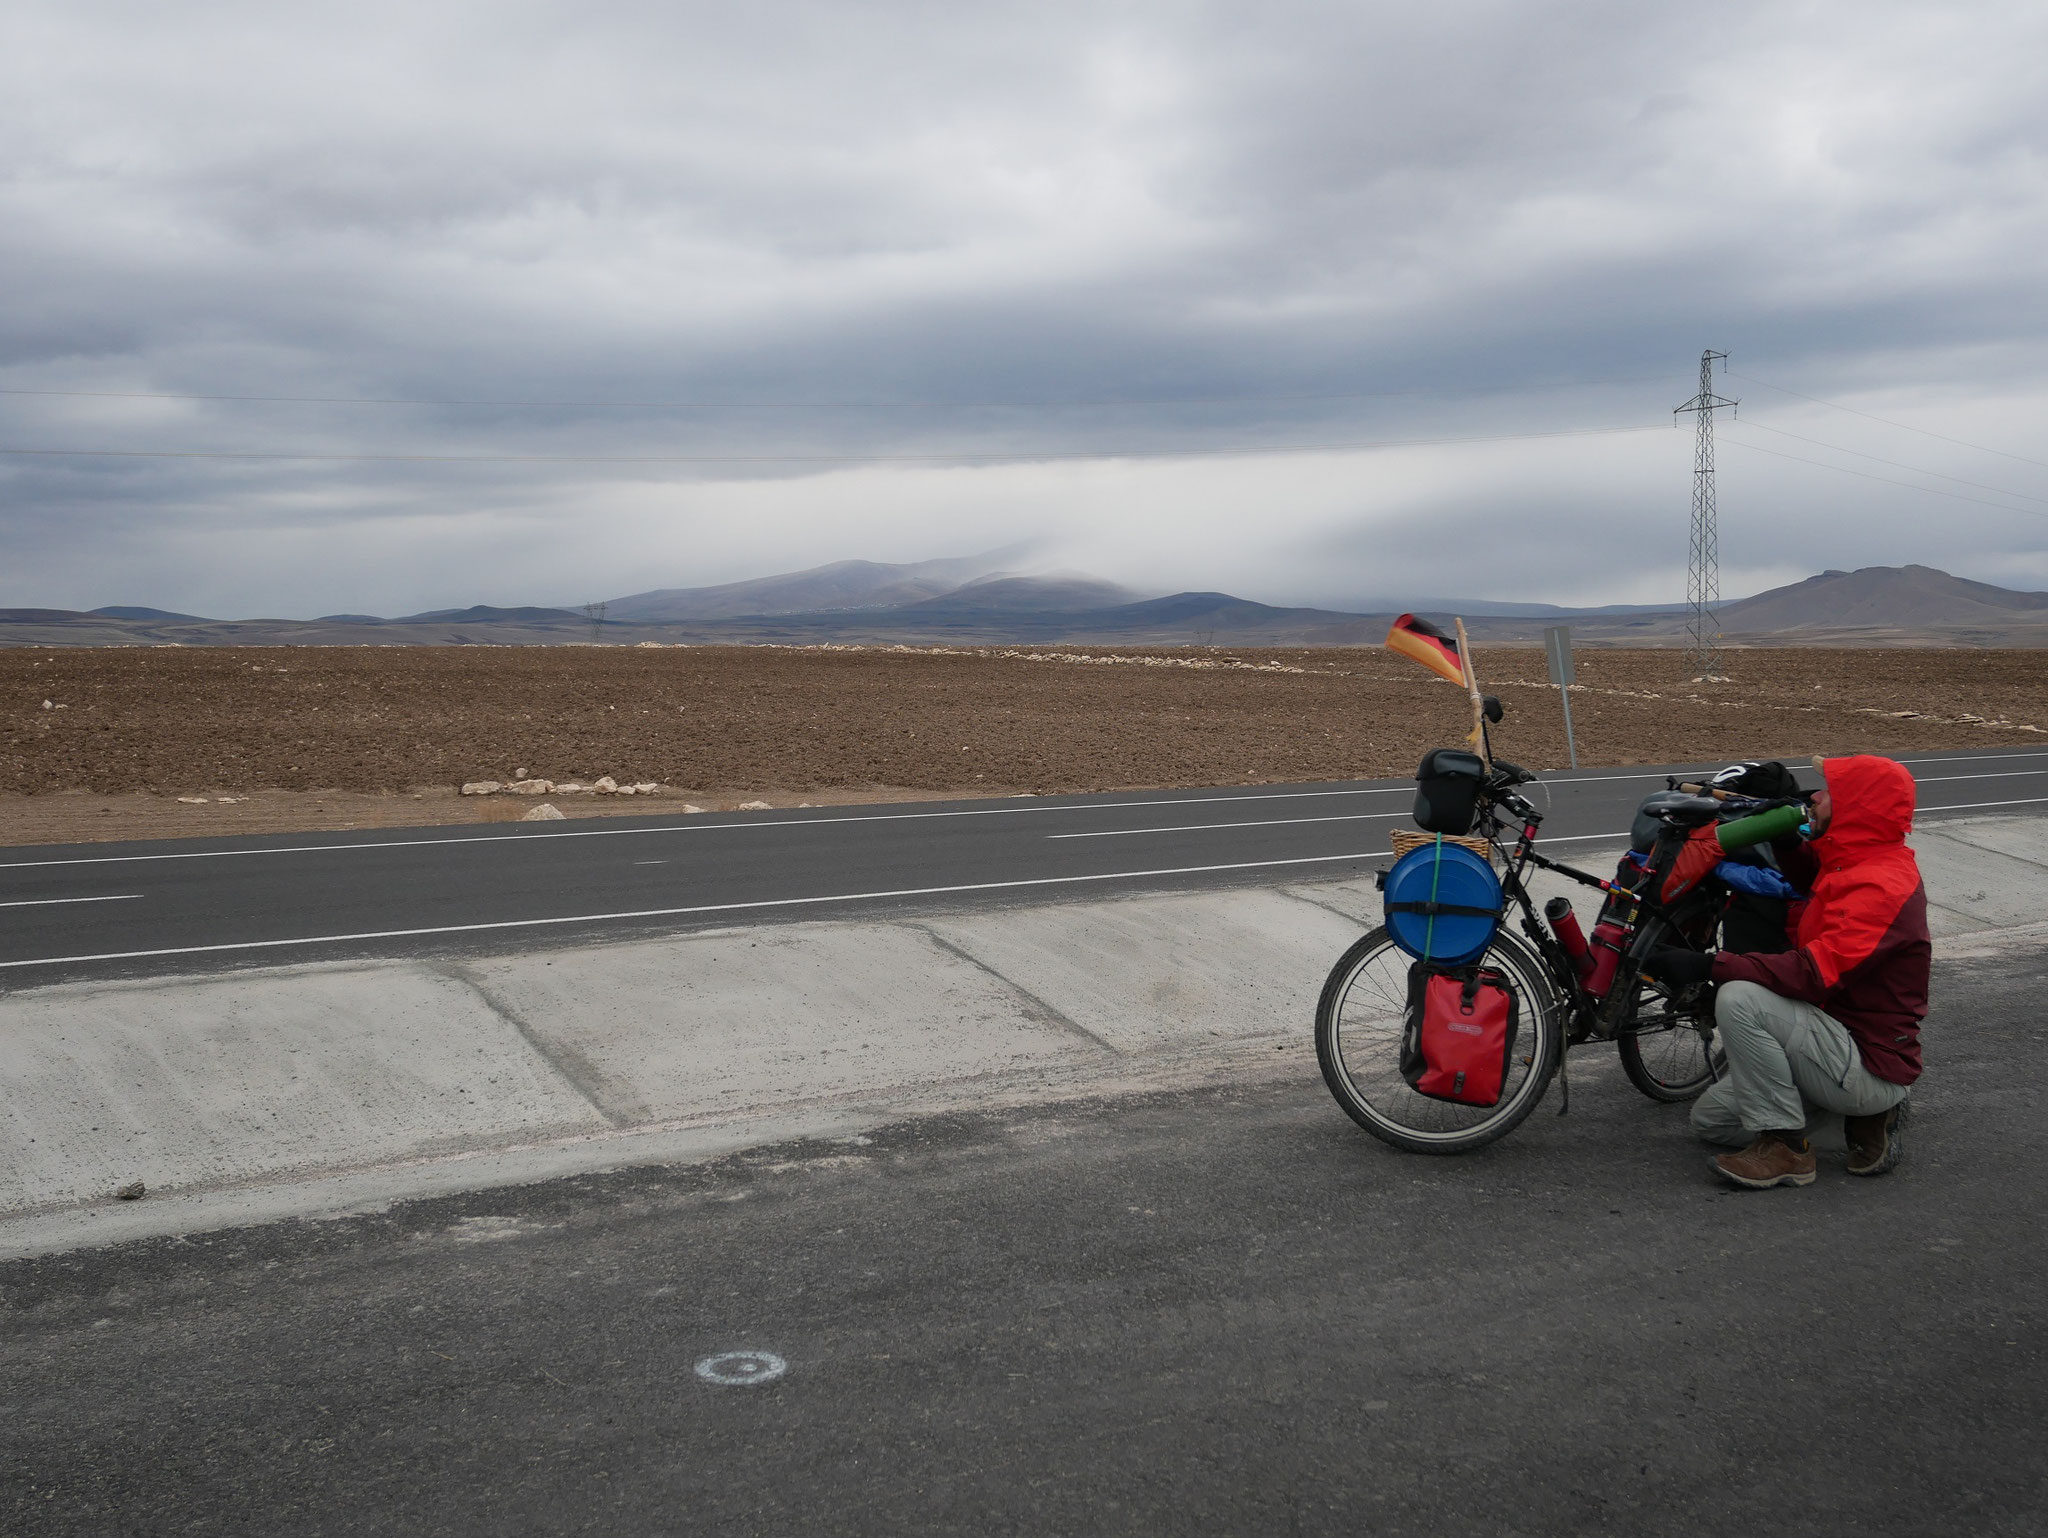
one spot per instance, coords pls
(1778, 822)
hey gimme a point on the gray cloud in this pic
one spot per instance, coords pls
(1510, 220)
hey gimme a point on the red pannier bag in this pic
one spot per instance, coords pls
(1460, 1033)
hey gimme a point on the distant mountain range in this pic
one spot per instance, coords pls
(973, 601)
(822, 589)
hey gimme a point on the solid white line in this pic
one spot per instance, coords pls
(1613, 779)
(495, 840)
(1971, 806)
(2003, 774)
(1974, 758)
(45, 902)
(661, 913)
(1211, 827)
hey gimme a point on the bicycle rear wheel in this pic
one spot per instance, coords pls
(1667, 1057)
(1359, 1022)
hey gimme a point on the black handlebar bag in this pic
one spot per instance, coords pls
(1458, 1039)
(1447, 790)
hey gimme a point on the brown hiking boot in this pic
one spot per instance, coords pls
(1769, 1161)
(1876, 1143)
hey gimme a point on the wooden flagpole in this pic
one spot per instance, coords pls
(1477, 736)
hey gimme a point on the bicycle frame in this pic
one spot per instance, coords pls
(1647, 921)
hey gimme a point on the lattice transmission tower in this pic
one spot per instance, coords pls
(1703, 562)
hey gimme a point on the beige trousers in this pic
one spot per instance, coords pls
(1785, 1061)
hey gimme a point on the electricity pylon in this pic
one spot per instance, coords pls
(1703, 561)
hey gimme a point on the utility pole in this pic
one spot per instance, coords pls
(594, 612)
(1703, 561)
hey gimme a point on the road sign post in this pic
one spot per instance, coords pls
(1557, 646)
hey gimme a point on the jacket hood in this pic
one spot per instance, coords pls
(1873, 799)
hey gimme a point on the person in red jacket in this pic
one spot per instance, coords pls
(1833, 1023)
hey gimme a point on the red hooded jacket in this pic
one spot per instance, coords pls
(1861, 950)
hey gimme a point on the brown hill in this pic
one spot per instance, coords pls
(1891, 597)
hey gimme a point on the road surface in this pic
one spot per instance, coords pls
(104, 910)
(1227, 1311)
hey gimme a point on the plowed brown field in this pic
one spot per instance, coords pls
(331, 737)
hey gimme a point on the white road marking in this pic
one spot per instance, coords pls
(494, 840)
(1611, 779)
(1974, 758)
(1211, 827)
(742, 1369)
(2002, 774)
(1971, 806)
(662, 913)
(44, 902)
(791, 902)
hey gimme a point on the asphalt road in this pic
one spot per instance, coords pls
(1217, 1312)
(102, 910)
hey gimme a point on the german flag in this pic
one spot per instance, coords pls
(1418, 638)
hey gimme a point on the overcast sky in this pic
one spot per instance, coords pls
(1108, 249)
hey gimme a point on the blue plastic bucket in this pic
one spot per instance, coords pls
(1443, 904)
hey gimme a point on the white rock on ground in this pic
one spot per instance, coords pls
(482, 788)
(644, 788)
(691, 806)
(543, 813)
(755, 806)
(531, 787)
(605, 785)
(571, 786)
(193, 800)
(625, 790)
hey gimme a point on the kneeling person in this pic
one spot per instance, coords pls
(1833, 1023)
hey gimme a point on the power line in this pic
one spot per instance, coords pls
(1888, 422)
(1009, 456)
(2024, 496)
(1932, 491)
(1025, 405)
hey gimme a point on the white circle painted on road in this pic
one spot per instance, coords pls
(742, 1369)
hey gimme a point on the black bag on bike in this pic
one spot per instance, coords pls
(1767, 781)
(1458, 1037)
(1447, 790)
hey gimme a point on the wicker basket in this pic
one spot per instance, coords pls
(1406, 839)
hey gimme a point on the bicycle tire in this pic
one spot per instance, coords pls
(1359, 1055)
(1679, 1065)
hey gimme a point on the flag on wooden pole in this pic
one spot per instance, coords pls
(1440, 653)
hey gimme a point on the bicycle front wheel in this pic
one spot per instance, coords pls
(1359, 1022)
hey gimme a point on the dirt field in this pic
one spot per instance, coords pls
(329, 738)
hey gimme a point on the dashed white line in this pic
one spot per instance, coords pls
(1212, 827)
(662, 913)
(46, 902)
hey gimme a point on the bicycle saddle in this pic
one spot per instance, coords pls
(1673, 808)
